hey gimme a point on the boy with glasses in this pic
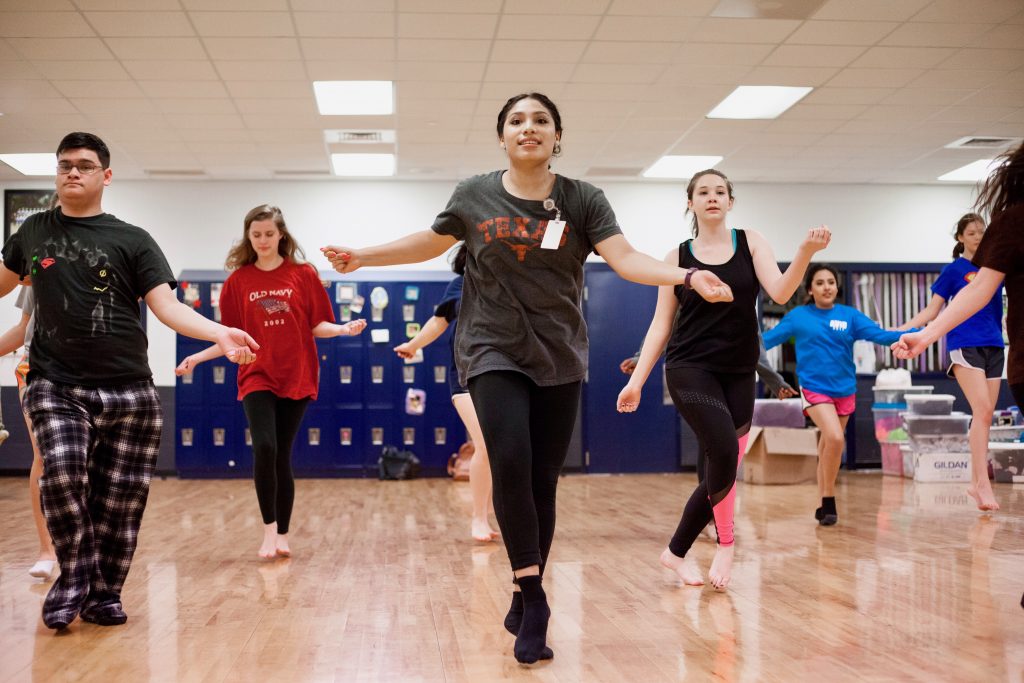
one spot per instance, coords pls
(95, 412)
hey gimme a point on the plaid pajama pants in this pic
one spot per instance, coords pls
(99, 448)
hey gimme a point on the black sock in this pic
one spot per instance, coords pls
(828, 505)
(531, 641)
(514, 618)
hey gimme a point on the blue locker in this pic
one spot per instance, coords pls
(618, 314)
(228, 454)
(351, 443)
(313, 453)
(190, 453)
(189, 389)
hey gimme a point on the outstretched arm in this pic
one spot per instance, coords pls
(926, 314)
(429, 333)
(415, 248)
(236, 344)
(8, 280)
(636, 266)
(780, 286)
(326, 330)
(969, 301)
(189, 363)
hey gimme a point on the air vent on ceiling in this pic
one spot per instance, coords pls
(983, 142)
(767, 9)
(175, 173)
(613, 171)
(356, 137)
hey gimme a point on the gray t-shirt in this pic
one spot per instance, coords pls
(521, 304)
(27, 303)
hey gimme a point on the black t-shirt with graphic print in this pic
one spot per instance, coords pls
(521, 305)
(88, 275)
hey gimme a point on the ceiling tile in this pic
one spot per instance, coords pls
(204, 121)
(174, 105)
(450, 6)
(98, 88)
(722, 30)
(171, 71)
(612, 52)
(134, 24)
(639, 29)
(874, 78)
(935, 35)
(870, 10)
(976, 113)
(337, 70)
(83, 70)
(975, 58)
(344, 25)
(832, 95)
(546, 27)
(903, 57)
(201, 89)
(663, 8)
(503, 73)
(596, 7)
(694, 74)
(1006, 37)
(259, 70)
(934, 97)
(801, 111)
(104, 105)
(976, 11)
(955, 78)
(303, 107)
(43, 25)
(47, 49)
(339, 49)
(789, 76)
(440, 71)
(440, 50)
(38, 6)
(18, 70)
(38, 106)
(617, 73)
(725, 54)
(537, 51)
(270, 89)
(841, 32)
(134, 5)
(264, 48)
(813, 55)
(237, 5)
(144, 49)
(242, 23)
(424, 90)
(446, 25)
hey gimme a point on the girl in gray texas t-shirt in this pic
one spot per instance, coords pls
(521, 344)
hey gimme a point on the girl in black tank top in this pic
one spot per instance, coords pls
(711, 358)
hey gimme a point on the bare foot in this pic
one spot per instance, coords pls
(685, 568)
(282, 546)
(721, 567)
(710, 532)
(268, 550)
(482, 531)
(983, 496)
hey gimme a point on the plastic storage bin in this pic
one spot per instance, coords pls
(926, 425)
(1009, 434)
(1006, 461)
(953, 467)
(940, 443)
(930, 404)
(908, 456)
(892, 459)
(889, 424)
(897, 394)
(771, 412)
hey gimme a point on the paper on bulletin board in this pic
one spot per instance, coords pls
(380, 335)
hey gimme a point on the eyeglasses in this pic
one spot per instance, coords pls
(84, 167)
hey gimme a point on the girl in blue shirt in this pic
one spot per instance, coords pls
(824, 332)
(976, 353)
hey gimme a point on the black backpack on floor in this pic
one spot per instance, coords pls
(396, 464)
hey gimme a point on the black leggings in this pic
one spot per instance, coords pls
(718, 406)
(273, 423)
(527, 430)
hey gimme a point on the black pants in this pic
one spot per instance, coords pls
(718, 406)
(527, 430)
(273, 424)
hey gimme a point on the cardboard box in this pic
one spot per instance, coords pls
(930, 467)
(780, 455)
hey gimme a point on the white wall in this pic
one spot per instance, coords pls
(195, 222)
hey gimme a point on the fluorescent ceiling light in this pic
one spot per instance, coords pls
(354, 98)
(758, 102)
(363, 164)
(679, 166)
(42, 163)
(972, 172)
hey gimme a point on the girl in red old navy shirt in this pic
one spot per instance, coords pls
(278, 298)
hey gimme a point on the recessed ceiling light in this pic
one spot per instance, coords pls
(680, 166)
(41, 163)
(354, 98)
(363, 164)
(758, 102)
(971, 173)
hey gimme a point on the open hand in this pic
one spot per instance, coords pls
(237, 345)
(351, 329)
(710, 286)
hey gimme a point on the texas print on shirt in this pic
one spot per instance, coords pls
(520, 234)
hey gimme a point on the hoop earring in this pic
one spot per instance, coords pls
(558, 149)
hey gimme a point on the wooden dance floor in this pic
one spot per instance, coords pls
(385, 585)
